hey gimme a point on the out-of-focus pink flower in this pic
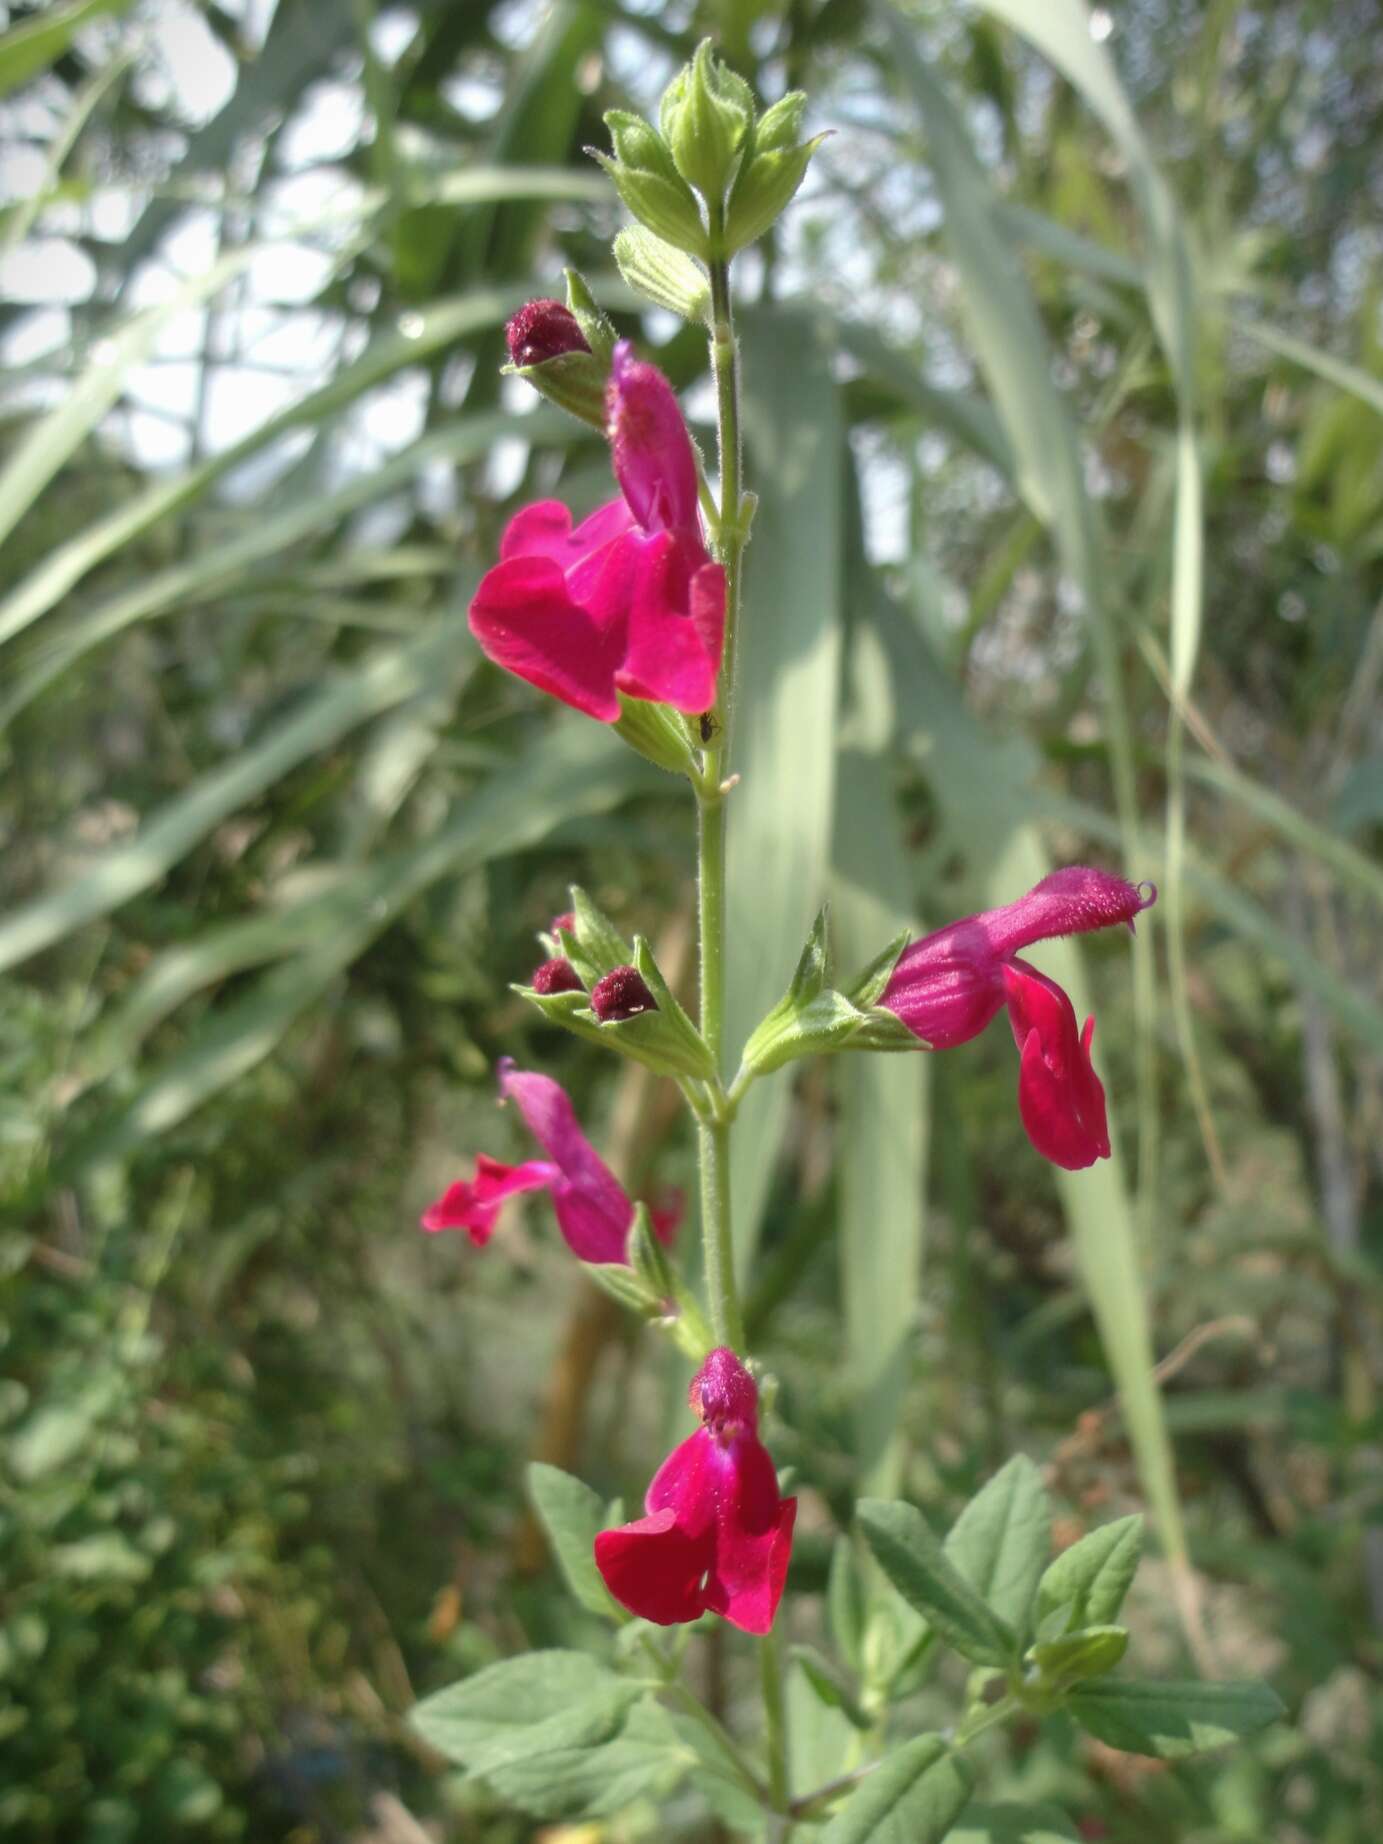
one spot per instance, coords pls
(947, 987)
(716, 1537)
(543, 330)
(628, 602)
(593, 1209)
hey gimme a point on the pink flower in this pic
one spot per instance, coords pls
(948, 986)
(628, 602)
(593, 1208)
(717, 1536)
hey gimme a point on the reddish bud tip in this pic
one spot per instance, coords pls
(558, 923)
(543, 330)
(555, 976)
(723, 1391)
(621, 994)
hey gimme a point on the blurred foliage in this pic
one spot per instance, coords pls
(274, 842)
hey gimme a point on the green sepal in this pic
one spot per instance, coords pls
(867, 987)
(598, 328)
(763, 189)
(646, 178)
(594, 946)
(666, 275)
(810, 1019)
(780, 126)
(668, 1030)
(706, 114)
(1087, 1583)
(1061, 1664)
(657, 732)
(679, 1313)
(574, 381)
(622, 1284)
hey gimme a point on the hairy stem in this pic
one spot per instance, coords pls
(714, 1134)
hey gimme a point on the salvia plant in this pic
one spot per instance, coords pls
(633, 617)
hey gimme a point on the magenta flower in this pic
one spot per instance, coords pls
(717, 1536)
(628, 602)
(593, 1209)
(947, 987)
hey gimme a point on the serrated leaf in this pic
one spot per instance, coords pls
(1093, 1576)
(572, 1515)
(914, 1561)
(912, 1799)
(1075, 1657)
(1002, 1539)
(1174, 1719)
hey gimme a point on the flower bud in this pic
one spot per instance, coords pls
(548, 347)
(622, 993)
(646, 178)
(543, 330)
(557, 975)
(705, 115)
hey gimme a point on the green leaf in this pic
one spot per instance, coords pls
(1361, 384)
(779, 816)
(126, 870)
(572, 1515)
(431, 329)
(913, 1798)
(830, 1686)
(488, 1715)
(29, 48)
(1002, 1539)
(1087, 1583)
(884, 1123)
(846, 1605)
(1172, 1720)
(642, 1757)
(1076, 1656)
(920, 1570)
(1012, 1824)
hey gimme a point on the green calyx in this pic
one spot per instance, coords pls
(646, 177)
(664, 1040)
(706, 115)
(813, 1019)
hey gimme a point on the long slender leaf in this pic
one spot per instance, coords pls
(780, 814)
(30, 47)
(577, 770)
(221, 565)
(430, 330)
(166, 836)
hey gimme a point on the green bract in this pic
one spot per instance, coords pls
(646, 178)
(706, 114)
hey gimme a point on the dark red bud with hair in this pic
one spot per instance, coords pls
(621, 994)
(555, 976)
(543, 330)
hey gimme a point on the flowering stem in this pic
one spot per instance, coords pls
(775, 1719)
(726, 1318)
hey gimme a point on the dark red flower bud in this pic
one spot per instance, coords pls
(621, 994)
(555, 976)
(543, 330)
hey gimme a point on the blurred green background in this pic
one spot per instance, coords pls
(1064, 402)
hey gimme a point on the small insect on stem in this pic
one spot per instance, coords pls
(708, 726)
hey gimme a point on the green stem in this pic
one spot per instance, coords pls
(688, 1701)
(775, 1719)
(714, 1135)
